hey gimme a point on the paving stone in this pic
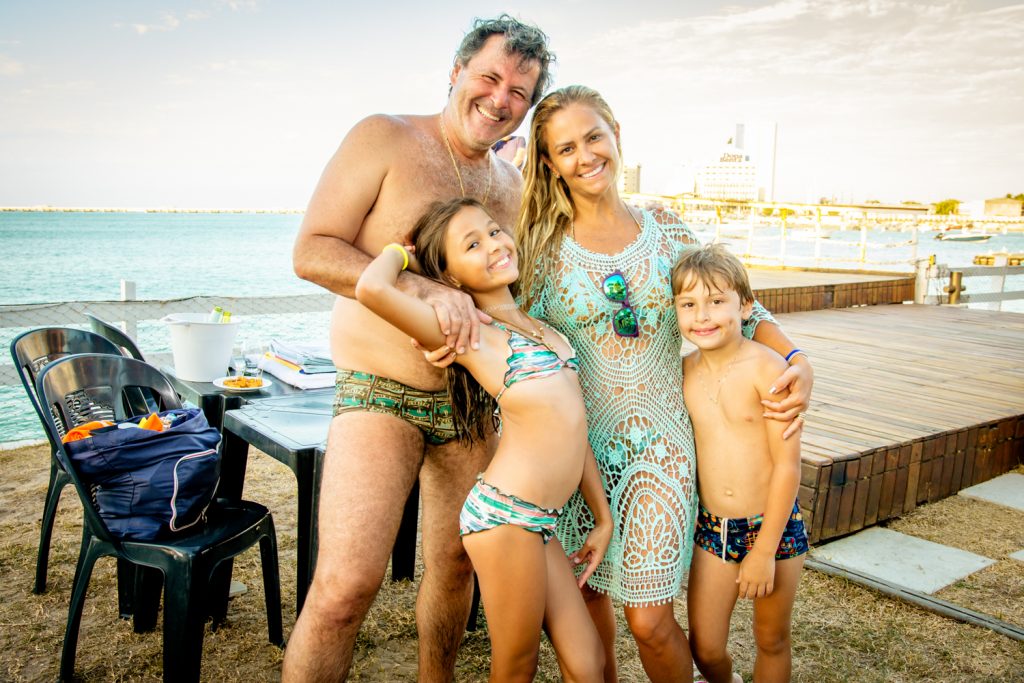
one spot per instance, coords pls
(902, 560)
(1007, 490)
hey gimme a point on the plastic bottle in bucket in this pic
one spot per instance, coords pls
(202, 349)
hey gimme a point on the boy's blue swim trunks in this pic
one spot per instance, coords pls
(732, 539)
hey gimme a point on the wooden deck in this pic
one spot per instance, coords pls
(911, 404)
(788, 290)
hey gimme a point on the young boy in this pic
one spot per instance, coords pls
(750, 536)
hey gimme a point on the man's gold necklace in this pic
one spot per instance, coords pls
(718, 389)
(455, 164)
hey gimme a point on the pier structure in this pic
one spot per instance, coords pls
(911, 403)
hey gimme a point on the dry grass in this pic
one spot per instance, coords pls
(985, 529)
(842, 632)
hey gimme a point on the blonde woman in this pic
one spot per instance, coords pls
(602, 279)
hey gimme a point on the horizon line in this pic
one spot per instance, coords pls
(45, 208)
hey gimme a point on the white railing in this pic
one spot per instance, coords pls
(942, 284)
(772, 244)
(757, 249)
(852, 216)
(129, 311)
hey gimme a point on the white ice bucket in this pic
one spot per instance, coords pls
(202, 350)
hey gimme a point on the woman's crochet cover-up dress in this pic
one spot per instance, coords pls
(637, 421)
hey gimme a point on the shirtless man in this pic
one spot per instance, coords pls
(392, 420)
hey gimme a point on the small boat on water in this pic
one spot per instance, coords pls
(963, 236)
(962, 233)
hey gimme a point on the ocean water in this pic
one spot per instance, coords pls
(78, 256)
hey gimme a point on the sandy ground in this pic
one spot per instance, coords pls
(842, 632)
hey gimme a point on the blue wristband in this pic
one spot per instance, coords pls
(793, 353)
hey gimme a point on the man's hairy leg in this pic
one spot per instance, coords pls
(371, 465)
(442, 606)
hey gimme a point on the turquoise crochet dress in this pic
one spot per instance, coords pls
(638, 424)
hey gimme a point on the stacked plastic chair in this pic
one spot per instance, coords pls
(73, 389)
(32, 351)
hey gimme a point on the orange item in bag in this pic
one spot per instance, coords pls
(84, 431)
(152, 422)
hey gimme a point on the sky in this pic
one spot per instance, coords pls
(240, 103)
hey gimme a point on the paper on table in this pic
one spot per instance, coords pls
(309, 358)
(296, 378)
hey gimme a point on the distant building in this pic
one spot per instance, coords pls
(733, 176)
(974, 208)
(745, 170)
(631, 179)
(1010, 208)
(757, 141)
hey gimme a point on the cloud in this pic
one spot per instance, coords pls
(868, 48)
(10, 67)
(246, 67)
(77, 88)
(856, 75)
(168, 22)
(733, 20)
(236, 5)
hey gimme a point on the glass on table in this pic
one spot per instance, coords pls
(254, 354)
(238, 360)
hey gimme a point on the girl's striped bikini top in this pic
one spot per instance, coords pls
(530, 359)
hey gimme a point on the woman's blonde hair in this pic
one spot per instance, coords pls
(546, 213)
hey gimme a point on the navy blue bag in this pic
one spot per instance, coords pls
(150, 484)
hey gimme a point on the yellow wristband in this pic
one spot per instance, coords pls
(399, 247)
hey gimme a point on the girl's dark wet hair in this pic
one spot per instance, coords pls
(472, 407)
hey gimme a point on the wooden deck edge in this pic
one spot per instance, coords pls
(839, 497)
(843, 295)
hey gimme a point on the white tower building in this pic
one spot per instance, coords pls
(757, 142)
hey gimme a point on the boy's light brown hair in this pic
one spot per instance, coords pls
(713, 265)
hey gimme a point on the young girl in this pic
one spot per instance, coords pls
(508, 520)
